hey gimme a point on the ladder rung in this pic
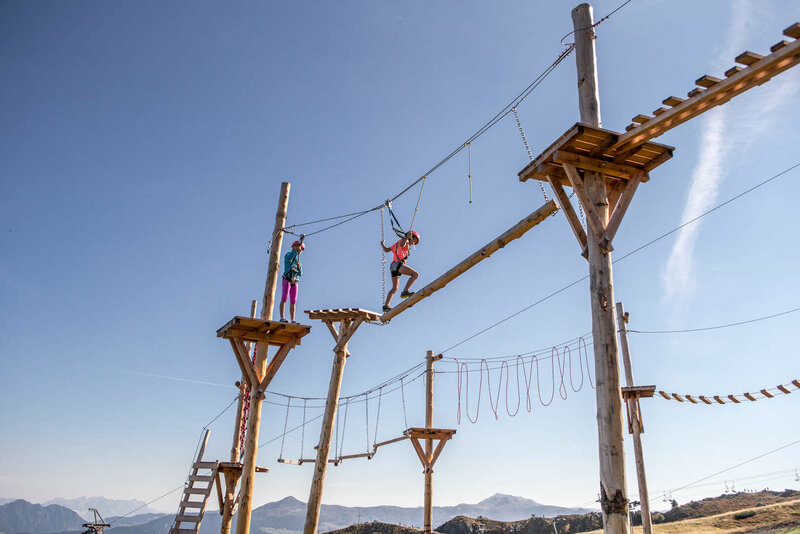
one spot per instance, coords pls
(197, 491)
(192, 504)
(189, 518)
(201, 478)
(205, 465)
(183, 531)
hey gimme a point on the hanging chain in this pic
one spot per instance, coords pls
(469, 168)
(528, 148)
(366, 417)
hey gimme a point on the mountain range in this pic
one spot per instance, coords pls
(286, 516)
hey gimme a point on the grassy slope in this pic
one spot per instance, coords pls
(780, 518)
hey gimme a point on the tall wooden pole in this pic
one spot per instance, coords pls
(230, 483)
(430, 358)
(325, 436)
(633, 411)
(256, 395)
(613, 492)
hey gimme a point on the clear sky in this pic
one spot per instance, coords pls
(142, 146)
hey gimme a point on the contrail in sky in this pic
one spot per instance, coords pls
(719, 142)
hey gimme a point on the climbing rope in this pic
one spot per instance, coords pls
(735, 399)
(416, 209)
(366, 418)
(383, 263)
(303, 431)
(403, 395)
(559, 357)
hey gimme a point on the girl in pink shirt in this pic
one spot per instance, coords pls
(398, 267)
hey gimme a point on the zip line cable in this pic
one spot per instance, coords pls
(715, 327)
(731, 468)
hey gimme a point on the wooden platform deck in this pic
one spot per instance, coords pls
(271, 332)
(342, 314)
(590, 148)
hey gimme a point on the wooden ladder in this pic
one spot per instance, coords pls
(200, 483)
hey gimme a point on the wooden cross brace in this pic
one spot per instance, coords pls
(254, 380)
(432, 434)
(631, 396)
(620, 194)
(348, 328)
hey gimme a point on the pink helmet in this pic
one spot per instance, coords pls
(414, 234)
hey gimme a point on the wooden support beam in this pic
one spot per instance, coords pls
(758, 70)
(620, 209)
(569, 211)
(607, 168)
(635, 419)
(242, 357)
(611, 451)
(274, 365)
(592, 216)
(254, 414)
(516, 231)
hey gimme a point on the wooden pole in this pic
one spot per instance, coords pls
(231, 482)
(430, 358)
(254, 416)
(613, 492)
(516, 231)
(325, 436)
(644, 496)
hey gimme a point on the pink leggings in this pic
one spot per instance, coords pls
(291, 289)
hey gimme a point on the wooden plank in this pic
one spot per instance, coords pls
(192, 504)
(201, 478)
(748, 58)
(638, 391)
(569, 211)
(183, 531)
(290, 462)
(677, 397)
(388, 442)
(783, 389)
(777, 46)
(197, 491)
(760, 70)
(219, 493)
(694, 92)
(704, 399)
(189, 518)
(796, 383)
(749, 397)
(592, 217)
(672, 101)
(767, 394)
(367, 455)
(734, 399)
(608, 168)
(691, 399)
(707, 81)
(565, 138)
(641, 119)
(515, 232)
(630, 127)
(659, 111)
(665, 395)
(262, 469)
(733, 70)
(205, 465)
(793, 31)
(716, 398)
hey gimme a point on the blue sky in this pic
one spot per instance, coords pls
(142, 149)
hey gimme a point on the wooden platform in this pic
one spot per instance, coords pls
(271, 332)
(589, 148)
(342, 314)
(433, 433)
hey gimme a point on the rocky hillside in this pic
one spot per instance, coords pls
(376, 528)
(566, 524)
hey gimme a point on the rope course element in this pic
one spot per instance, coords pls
(717, 327)
(516, 101)
(469, 169)
(560, 357)
(625, 256)
(528, 148)
(724, 399)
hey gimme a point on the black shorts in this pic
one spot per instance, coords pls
(394, 268)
